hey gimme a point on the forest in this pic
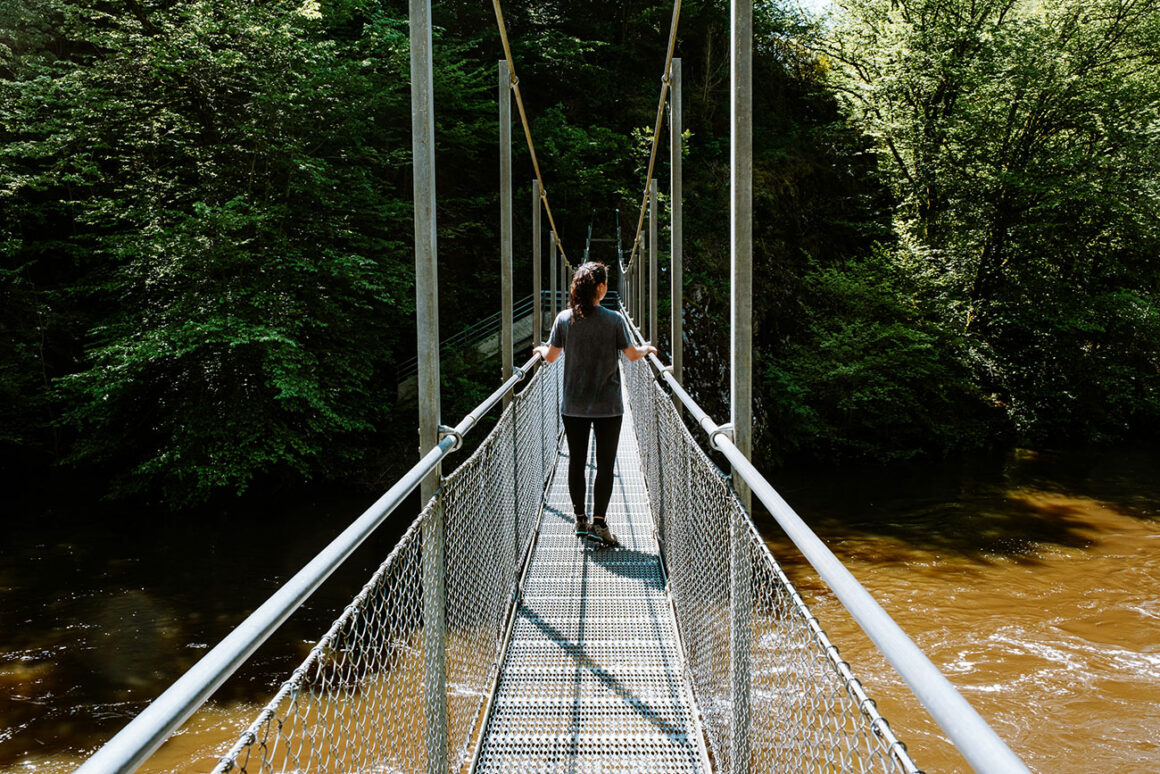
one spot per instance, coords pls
(206, 273)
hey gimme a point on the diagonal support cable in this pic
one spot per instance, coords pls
(507, 50)
(652, 159)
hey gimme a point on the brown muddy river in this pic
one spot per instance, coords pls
(1031, 579)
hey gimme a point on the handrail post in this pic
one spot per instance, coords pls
(515, 407)
(427, 312)
(641, 286)
(741, 237)
(565, 280)
(537, 311)
(435, 637)
(505, 220)
(426, 253)
(623, 288)
(628, 294)
(653, 327)
(676, 146)
(554, 263)
(740, 581)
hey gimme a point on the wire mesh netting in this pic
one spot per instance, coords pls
(805, 709)
(360, 700)
(593, 681)
(365, 698)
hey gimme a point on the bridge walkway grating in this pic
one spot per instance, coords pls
(593, 677)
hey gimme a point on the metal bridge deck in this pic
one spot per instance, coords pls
(593, 678)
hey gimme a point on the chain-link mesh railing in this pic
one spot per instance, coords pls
(360, 700)
(802, 709)
(363, 699)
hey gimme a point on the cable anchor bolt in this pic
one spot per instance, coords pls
(725, 430)
(445, 432)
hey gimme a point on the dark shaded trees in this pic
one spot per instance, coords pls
(212, 191)
(205, 219)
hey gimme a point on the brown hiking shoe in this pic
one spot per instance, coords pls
(600, 533)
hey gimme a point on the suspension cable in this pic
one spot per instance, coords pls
(515, 84)
(665, 81)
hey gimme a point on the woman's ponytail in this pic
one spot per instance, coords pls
(585, 283)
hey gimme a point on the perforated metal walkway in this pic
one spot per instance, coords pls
(593, 679)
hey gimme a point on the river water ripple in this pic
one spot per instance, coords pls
(1032, 580)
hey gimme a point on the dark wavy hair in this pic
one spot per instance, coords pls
(582, 297)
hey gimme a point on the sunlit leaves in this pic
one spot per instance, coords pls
(1019, 138)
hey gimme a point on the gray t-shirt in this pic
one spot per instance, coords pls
(591, 347)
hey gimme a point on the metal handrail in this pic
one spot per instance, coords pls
(478, 331)
(968, 731)
(490, 324)
(133, 744)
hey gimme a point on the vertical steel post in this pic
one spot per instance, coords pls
(435, 637)
(676, 266)
(626, 290)
(741, 331)
(505, 221)
(740, 594)
(642, 287)
(537, 311)
(623, 287)
(741, 237)
(557, 275)
(554, 263)
(626, 299)
(653, 273)
(633, 293)
(426, 252)
(427, 313)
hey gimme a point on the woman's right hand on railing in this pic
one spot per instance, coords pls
(634, 353)
(550, 354)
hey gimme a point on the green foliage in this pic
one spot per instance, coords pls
(205, 220)
(1018, 138)
(592, 159)
(243, 249)
(1081, 368)
(870, 378)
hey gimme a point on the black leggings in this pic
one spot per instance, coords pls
(607, 431)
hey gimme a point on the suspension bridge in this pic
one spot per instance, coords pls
(491, 639)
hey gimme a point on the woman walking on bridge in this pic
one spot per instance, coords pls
(591, 336)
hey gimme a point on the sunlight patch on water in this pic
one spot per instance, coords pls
(1039, 605)
(196, 747)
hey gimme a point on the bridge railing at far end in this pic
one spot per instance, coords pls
(360, 699)
(767, 680)
(488, 327)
